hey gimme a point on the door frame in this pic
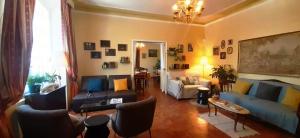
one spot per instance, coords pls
(133, 56)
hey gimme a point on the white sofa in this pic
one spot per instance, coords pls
(177, 89)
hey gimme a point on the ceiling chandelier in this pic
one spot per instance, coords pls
(139, 45)
(185, 10)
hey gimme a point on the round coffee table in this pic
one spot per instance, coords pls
(97, 126)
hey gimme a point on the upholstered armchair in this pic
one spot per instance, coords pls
(48, 123)
(134, 118)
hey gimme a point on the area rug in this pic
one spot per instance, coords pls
(226, 125)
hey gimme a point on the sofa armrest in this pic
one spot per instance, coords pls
(175, 86)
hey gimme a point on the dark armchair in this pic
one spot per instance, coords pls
(134, 118)
(298, 127)
(48, 123)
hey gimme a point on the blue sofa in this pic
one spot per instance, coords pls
(269, 111)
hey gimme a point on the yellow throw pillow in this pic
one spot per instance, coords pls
(120, 85)
(241, 87)
(291, 98)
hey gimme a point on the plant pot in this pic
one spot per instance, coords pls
(34, 88)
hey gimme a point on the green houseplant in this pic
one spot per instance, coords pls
(224, 73)
(34, 83)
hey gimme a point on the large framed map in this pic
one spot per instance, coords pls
(271, 55)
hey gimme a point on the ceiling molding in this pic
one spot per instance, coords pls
(81, 6)
(135, 18)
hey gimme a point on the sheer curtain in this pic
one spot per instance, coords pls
(47, 52)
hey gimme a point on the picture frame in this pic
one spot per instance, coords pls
(216, 51)
(122, 47)
(95, 54)
(223, 44)
(190, 47)
(229, 50)
(105, 43)
(110, 52)
(223, 55)
(180, 48)
(152, 52)
(89, 46)
(230, 42)
(172, 51)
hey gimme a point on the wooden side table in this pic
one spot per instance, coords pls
(202, 96)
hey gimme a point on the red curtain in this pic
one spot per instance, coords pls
(16, 45)
(69, 47)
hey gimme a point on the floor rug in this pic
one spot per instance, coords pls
(226, 125)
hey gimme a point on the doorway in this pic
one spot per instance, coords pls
(151, 55)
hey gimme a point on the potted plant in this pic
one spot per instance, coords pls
(157, 66)
(52, 78)
(34, 83)
(224, 73)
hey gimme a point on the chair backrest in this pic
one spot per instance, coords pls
(134, 118)
(45, 123)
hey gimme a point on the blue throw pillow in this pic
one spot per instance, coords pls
(93, 85)
(268, 91)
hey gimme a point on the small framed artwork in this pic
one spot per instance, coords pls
(105, 43)
(216, 51)
(172, 51)
(223, 55)
(180, 48)
(95, 54)
(122, 47)
(110, 52)
(223, 44)
(229, 50)
(190, 47)
(230, 42)
(152, 53)
(144, 55)
(89, 46)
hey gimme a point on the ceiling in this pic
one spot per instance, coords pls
(161, 9)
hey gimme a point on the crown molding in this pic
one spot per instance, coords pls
(202, 21)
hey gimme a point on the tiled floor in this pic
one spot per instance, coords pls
(179, 119)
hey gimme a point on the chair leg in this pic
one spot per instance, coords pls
(150, 133)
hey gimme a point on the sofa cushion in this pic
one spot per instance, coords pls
(268, 91)
(93, 83)
(241, 87)
(120, 84)
(111, 79)
(291, 98)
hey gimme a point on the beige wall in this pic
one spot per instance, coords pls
(94, 27)
(149, 62)
(269, 18)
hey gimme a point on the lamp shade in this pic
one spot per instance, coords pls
(204, 60)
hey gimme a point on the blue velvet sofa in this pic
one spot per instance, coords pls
(269, 111)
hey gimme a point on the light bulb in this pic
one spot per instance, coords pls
(200, 3)
(174, 7)
(187, 2)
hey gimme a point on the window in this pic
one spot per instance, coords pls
(47, 50)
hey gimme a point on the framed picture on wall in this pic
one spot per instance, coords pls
(122, 47)
(105, 43)
(230, 42)
(95, 54)
(223, 44)
(190, 47)
(229, 50)
(216, 51)
(152, 53)
(223, 55)
(89, 46)
(110, 52)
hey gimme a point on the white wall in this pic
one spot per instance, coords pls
(269, 18)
